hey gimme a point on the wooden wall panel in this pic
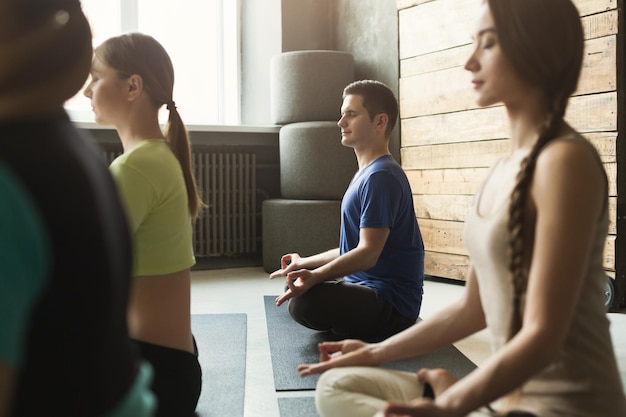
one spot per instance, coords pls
(455, 207)
(446, 181)
(403, 4)
(446, 265)
(452, 207)
(435, 26)
(454, 155)
(449, 58)
(467, 126)
(598, 75)
(599, 25)
(590, 113)
(587, 7)
(446, 237)
(465, 181)
(448, 143)
(443, 236)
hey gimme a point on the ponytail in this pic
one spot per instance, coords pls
(138, 53)
(178, 138)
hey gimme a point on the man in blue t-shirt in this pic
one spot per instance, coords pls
(371, 286)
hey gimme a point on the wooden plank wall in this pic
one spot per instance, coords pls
(448, 143)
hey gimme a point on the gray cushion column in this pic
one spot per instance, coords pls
(307, 85)
(305, 92)
(314, 165)
(305, 227)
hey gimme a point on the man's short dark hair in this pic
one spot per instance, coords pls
(377, 99)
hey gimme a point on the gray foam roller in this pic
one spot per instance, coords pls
(314, 165)
(301, 226)
(307, 85)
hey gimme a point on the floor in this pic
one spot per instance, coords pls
(241, 290)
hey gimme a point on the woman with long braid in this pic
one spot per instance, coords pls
(132, 77)
(536, 278)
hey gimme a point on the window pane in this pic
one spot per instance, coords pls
(104, 18)
(195, 34)
(188, 32)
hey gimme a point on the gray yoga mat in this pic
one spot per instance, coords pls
(618, 336)
(221, 340)
(292, 344)
(297, 407)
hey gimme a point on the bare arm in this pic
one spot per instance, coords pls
(362, 257)
(453, 323)
(293, 261)
(567, 176)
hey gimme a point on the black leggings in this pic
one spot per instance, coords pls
(348, 310)
(177, 378)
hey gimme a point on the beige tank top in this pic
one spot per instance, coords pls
(583, 380)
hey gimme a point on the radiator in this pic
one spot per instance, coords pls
(227, 182)
(110, 155)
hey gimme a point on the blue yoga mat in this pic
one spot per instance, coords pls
(221, 340)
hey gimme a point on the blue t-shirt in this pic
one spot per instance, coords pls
(379, 196)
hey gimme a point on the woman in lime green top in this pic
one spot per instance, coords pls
(132, 78)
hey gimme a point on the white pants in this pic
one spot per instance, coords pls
(364, 391)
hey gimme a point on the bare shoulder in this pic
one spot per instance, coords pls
(571, 153)
(570, 170)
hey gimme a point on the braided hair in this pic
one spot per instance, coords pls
(549, 55)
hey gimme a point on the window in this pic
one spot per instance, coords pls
(202, 39)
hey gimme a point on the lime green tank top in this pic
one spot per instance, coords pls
(152, 188)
